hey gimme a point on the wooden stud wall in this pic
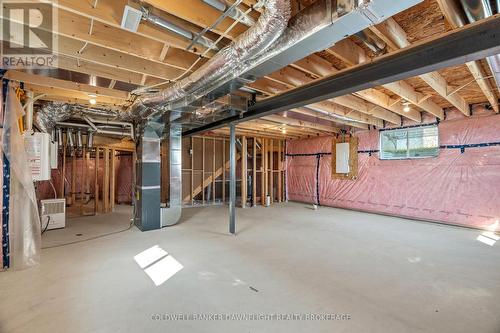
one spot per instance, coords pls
(205, 170)
(105, 198)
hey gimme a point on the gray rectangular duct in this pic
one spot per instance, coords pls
(172, 214)
(148, 181)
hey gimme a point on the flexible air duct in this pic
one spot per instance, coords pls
(230, 61)
(49, 114)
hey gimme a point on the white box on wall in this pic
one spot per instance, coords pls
(37, 147)
(342, 158)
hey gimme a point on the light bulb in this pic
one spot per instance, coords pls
(92, 101)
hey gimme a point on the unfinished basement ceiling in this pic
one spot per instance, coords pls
(93, 44)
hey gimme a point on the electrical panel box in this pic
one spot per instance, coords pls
(53, 213)
(342, 158)
(37, 147)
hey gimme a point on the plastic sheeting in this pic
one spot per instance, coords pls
(455, 188)
(24, 221)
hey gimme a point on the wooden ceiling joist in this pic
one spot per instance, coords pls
(359, 104)
(190, 11)
(71, 96)
(352, 54)
(107, 57)
(318, 115)
(89, 68)
(254, 132)
(302, 123)
(385, 101)
(319, 67)
(289, 128)
(330, 106)
(390, 30)
(110, 12)
(52, 83)
(295, 78)
(454, 17)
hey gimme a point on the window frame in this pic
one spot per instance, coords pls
(408, 157)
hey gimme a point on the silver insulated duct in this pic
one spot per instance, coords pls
(227, 64)
(476, 10)
(51, 113)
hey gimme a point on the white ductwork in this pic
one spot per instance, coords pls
(228, 63)
(476, 10)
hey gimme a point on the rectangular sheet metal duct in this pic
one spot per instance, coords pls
(172, 214)
(148, 181)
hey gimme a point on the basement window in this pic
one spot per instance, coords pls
(409, 143)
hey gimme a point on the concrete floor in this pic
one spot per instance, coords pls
(387, 274)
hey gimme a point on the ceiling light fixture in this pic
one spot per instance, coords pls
(92, 99)
(406, 106)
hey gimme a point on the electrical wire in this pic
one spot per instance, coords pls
(92, 238)
(54, 189)
(47, 226)
(132, 220)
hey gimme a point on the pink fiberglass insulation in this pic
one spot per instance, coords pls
(123, 182)
(455, 187)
